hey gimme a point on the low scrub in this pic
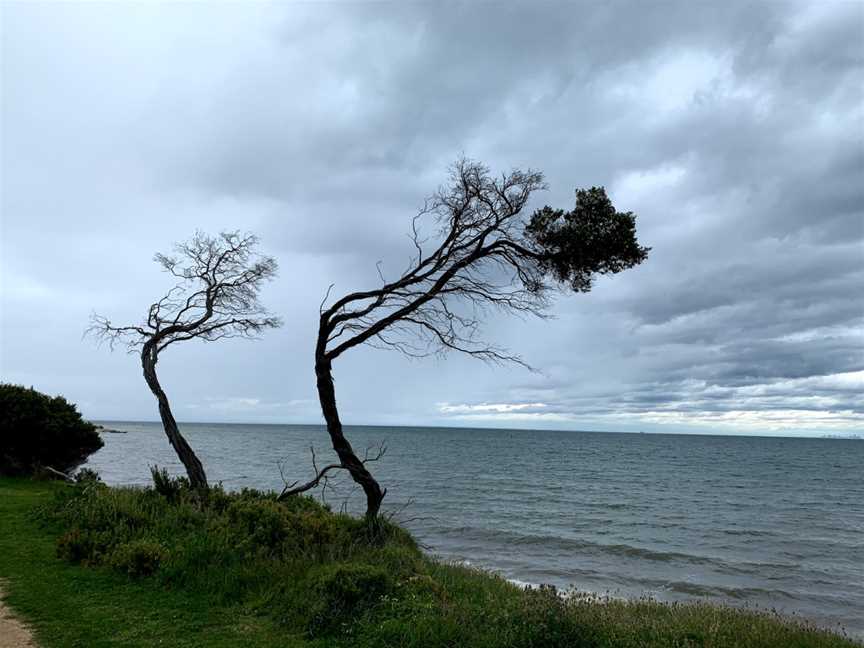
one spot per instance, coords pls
(332, 580)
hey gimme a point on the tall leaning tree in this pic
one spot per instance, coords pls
(485, 255)
(216, 296)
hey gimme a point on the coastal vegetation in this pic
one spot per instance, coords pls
(41, 432)
(91, 565)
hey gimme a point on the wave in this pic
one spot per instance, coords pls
(576, 546)
(717, 591)
(653, 588)
(756, 533)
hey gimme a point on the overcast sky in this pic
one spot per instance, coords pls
(734, 131)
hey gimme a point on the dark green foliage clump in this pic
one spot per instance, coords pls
(167, 486)
(316, 578)
(76, 546)
(138, 558)
(591, 239)
(343, 592)
(38, 430)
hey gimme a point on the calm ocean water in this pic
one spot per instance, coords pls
(768, 522)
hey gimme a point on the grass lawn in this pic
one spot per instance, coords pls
(141, 568)
(74, 606)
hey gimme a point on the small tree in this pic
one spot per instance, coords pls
(487, 258)
(37, 430)
(216, 297)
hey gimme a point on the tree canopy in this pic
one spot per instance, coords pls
(487, 257)
(216, 295)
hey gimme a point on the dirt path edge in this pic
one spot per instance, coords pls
(13, 632)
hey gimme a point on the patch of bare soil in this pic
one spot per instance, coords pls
(13, 633)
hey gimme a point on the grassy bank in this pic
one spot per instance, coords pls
(96, 566)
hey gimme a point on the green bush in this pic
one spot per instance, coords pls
(263, 524)
(168, 487)
(87, 476)
(343, 592)
(75, 546)
(38, 430)
(138, 558)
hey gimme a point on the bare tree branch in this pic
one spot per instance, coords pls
(321, 475)
(216, 297)
(481, 252)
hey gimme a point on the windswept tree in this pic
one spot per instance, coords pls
(216, 296)
(486, 256)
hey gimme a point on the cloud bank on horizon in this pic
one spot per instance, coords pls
(735, 132)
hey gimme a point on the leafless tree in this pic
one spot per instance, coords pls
(216, 296)
(486, 256)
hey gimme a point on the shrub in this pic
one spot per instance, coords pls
(343, 592)
(138, 558)
(87, 476)
(75, 546)
(168, 487)
(38, 430)
(262, 524)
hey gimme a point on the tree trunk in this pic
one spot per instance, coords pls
(194, 468)
(349, 460)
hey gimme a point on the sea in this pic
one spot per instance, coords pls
(761, 522)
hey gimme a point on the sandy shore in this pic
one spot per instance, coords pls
(13, 633)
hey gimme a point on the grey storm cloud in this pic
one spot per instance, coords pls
(734, 130)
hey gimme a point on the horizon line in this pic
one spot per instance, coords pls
(825, 435)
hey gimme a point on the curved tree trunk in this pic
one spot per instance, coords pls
(350, 461)
(194, 468)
